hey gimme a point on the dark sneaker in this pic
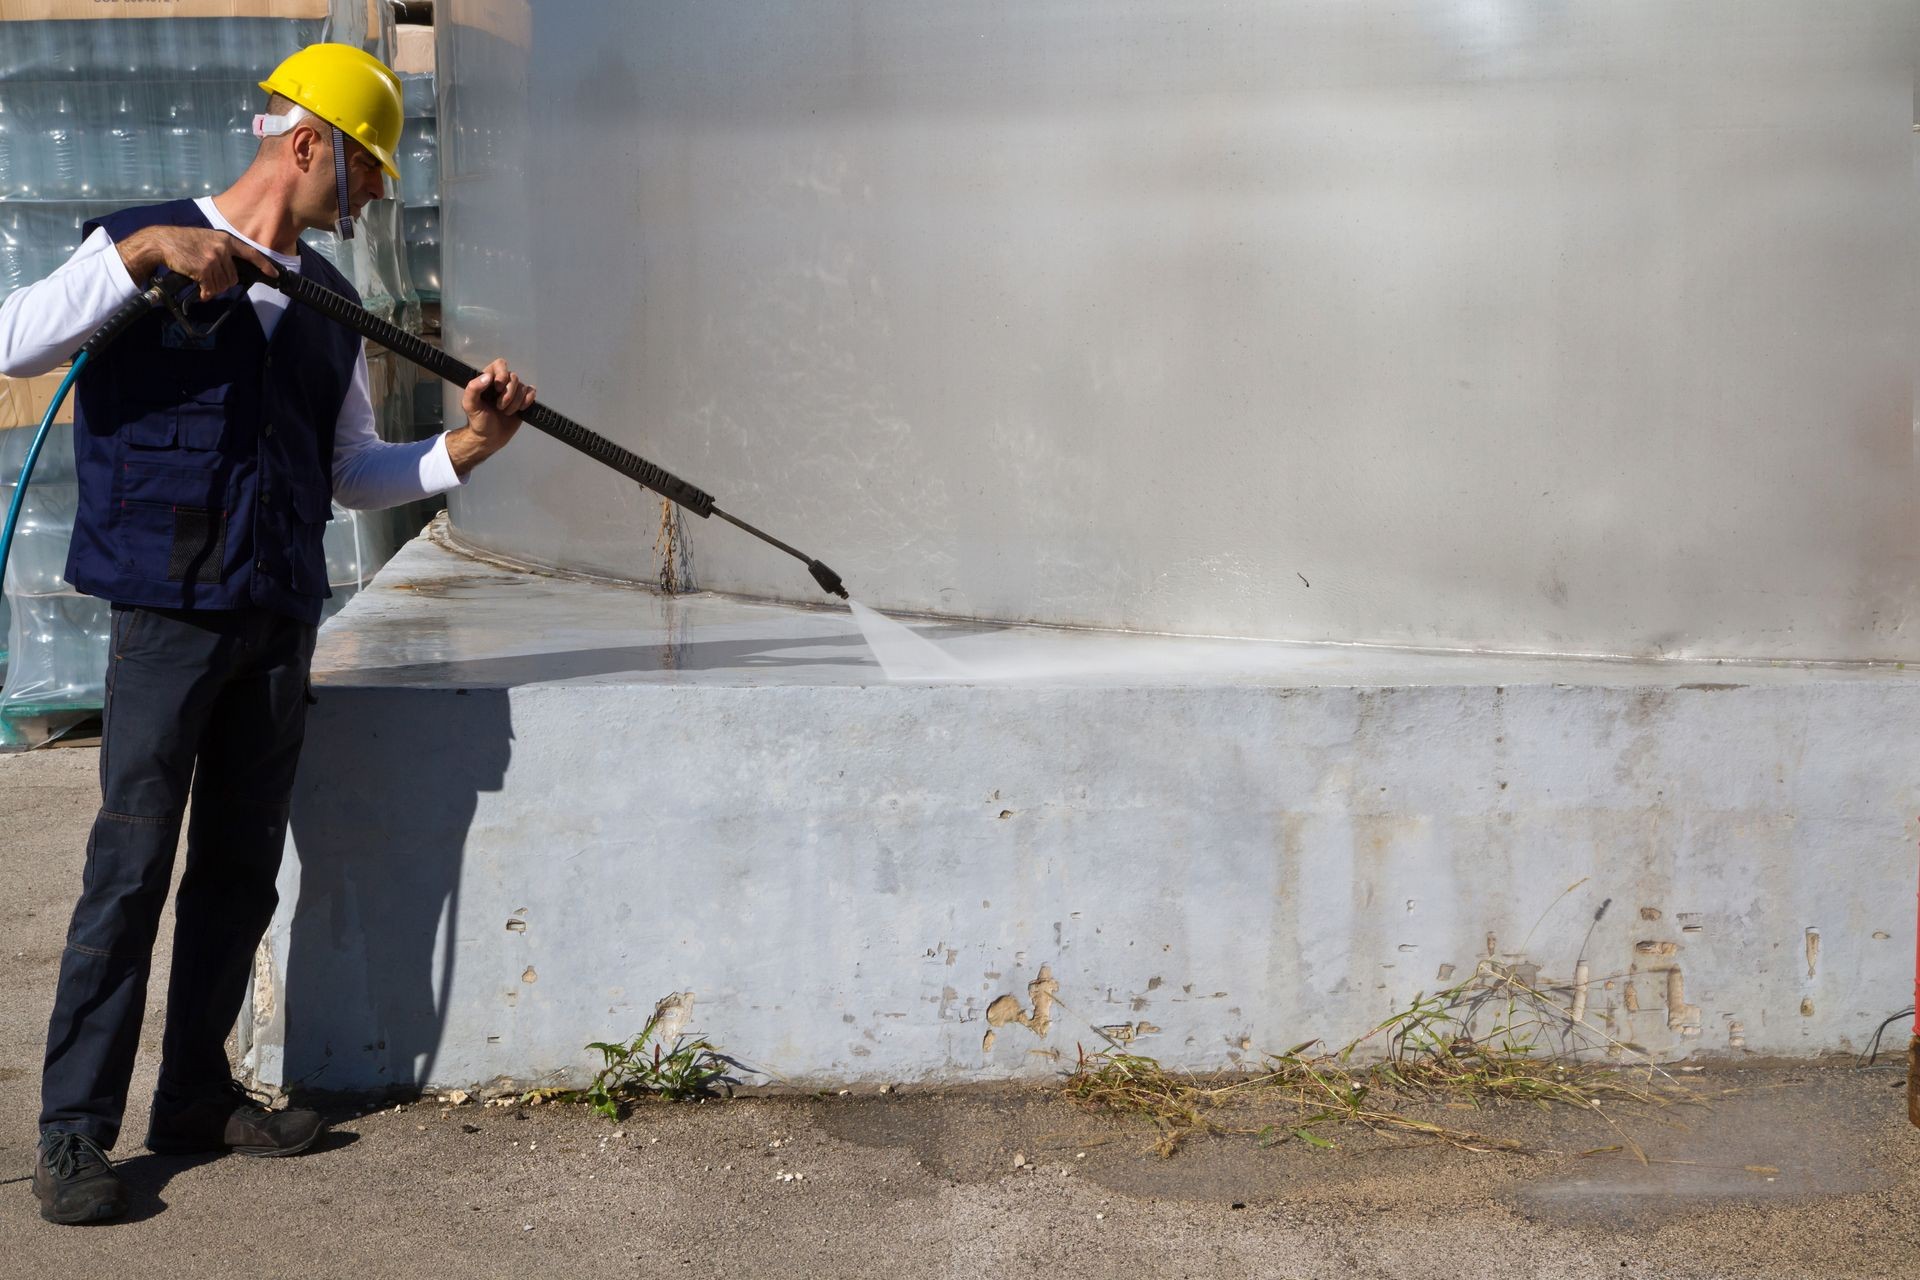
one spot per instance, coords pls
(75, 1182)
(235, 1120)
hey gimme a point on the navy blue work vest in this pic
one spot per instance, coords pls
(206, 467)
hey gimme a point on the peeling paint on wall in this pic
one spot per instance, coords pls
(265, 984)
(672, 1015)
(1007, 1009)
(1580, 978)
(1681, 1016)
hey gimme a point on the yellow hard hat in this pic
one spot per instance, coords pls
(349, 89)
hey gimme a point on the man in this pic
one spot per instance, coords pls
(206, 464)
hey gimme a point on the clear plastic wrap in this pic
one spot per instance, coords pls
(357, 544)
(418, 94)
(423, 250)
(56, 638)
(57, 650)
(346, 558)
(37, 562)
(128, 109)
(419, 186)
(419, 162)
(99, 114)
(37, 236)
(155, 48)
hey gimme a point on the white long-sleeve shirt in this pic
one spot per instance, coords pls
(45, 323)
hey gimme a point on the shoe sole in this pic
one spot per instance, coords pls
(99, 1213)
(164, 1148)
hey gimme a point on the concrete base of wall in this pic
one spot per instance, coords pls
(530, 808)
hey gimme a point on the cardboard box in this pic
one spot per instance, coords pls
(24, 400)
(413, 49)
(42, 10)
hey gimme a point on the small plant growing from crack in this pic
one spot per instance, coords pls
(689, 1070)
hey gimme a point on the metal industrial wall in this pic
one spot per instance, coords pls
(1579, 326)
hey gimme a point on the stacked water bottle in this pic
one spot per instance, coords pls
(419, 164)
(56, 638)
(96, 115)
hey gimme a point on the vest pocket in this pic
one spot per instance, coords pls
(174, 543)
(171, 523)
(307, 557)
(195, 419)
(199, 551)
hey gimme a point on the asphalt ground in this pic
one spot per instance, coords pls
(1793, 1170)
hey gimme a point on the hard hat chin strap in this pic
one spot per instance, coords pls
(344, 227)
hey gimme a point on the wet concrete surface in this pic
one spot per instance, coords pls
(911, 1184)
(438, 616)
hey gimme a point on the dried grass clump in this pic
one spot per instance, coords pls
(1526, 1049)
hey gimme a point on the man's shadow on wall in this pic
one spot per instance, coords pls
(395, 762)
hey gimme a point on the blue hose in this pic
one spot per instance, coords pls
(33, 456)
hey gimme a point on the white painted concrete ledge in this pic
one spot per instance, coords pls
(531, 807)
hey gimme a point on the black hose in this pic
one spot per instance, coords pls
(410, 346)
(541, 416)
(131, 310)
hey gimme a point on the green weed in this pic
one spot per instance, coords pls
(688, 1070)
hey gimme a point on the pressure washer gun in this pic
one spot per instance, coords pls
(168, 289)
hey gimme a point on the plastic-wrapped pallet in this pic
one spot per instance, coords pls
(23, 403)
(56, 637)
(351, 557)
(99, 113)
(419, 159)
(103, 105)
(422, 233)
(419, 153)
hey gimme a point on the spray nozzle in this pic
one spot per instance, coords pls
(829, 580)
